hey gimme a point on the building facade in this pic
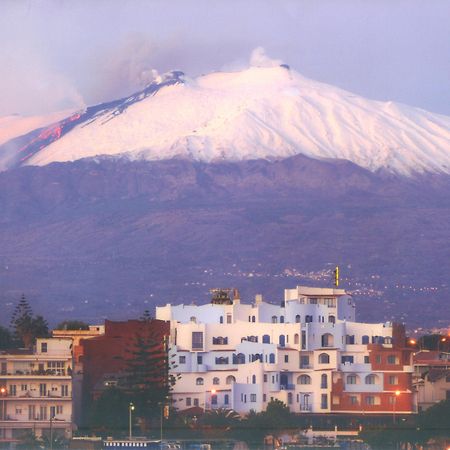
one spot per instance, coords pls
(36, 390)
(307, 351)
(431, 378)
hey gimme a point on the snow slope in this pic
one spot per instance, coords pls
(260, 112)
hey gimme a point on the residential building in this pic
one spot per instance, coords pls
(307, 351)
(36, 390)
(105, 357)
(431, 377)
(76, 336)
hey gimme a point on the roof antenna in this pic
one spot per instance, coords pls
(336, 276)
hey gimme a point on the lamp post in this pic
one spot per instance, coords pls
(130, 411)
(3, 395)
(444, 339)
(397, 393)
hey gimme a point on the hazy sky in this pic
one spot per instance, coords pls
(56, 54)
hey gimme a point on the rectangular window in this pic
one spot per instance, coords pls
(188, 401)
(31, 412)
(303, 340)
(213, 399)
(228, 318)
(253, 398)
(199, 359)
(52, 412)
(264, 397)
(304, 362)
(24, 387)
(324, 401)
(286, 358)
(226, 399)
(273, 379)
(64, 390)
(195, 401)
(347, 359)
(265, 378)
(197, 340)
(366, 359)
(392, 359)
(313, 301)
(3, 370)
(351, 379)
(378, 359)
(59, 409)
(43, 347)
(42, 390)
(370, 400)
(393, 379)
(353, 400)
(12, 389)
(182, 359)
(42, 413)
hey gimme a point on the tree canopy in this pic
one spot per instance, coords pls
(26, 326)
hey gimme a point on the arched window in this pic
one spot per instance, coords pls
(304, 379)
(297, 318)
(230, 379)
(324, 358)
(371, 379)
(266, 339)
(199, 381)
(327, 340)
(253, 379)
(240, 358)
(282, 340)
(272, 358)
(274, 319)
(253, 319)
(281, 319)
(332, 319)
(296, 338)
(365, 340)
(216, 380)
(324, 381)
(388, 340)
(308, 319)
(193, 319)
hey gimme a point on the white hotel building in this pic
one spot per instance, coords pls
(307, 352)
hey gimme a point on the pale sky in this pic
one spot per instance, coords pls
(58, 54)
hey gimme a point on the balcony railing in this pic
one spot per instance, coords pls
(287, 387)
(305, 408)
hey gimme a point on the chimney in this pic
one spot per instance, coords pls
(236, 296)
(258, 299)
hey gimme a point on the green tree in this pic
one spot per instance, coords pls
(6, 340)
(221, 418)
(26, 327)
(72, 325)
(110, 411)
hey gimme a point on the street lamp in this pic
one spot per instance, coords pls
(130, 410)
(397, 393)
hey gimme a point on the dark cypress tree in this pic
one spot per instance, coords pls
(148, 380)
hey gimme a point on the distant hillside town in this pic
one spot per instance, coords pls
(307, 353)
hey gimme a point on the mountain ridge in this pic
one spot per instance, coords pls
(258, 113)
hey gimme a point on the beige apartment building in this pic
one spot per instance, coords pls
(36, 390)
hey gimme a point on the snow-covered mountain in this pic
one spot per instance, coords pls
(260, 112)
